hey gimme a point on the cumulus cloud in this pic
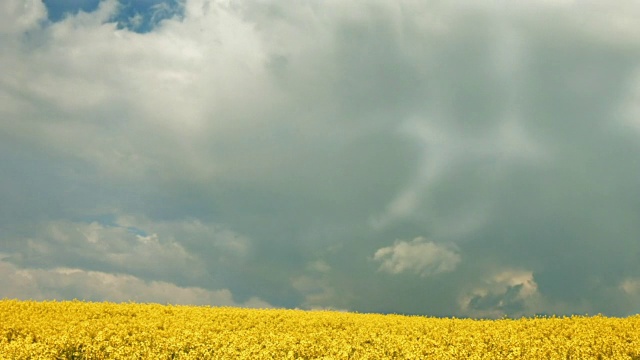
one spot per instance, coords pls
(512, 292)
(19, 16)
(418, 256)
(185, 253)
(97, 246)
(73, 283)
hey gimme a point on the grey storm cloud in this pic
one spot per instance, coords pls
(459, 158)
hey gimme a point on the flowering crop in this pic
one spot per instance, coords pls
(84, 330)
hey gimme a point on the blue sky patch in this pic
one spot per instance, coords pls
(140, 16)
(58, 9)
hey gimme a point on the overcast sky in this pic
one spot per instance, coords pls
(445, 158)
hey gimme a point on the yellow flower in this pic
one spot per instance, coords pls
(83, 330)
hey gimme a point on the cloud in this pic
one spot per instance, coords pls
(418, 256)
(271, 148)
(629, 111)
(185, 253)
(71, 283)
(317, 290)
(96, 246)
(631, 286)
(512, 292)
(19, 16)
(126, 258)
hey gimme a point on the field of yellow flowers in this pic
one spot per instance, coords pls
(84, 330)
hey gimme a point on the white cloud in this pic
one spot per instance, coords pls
(135, 104)
(611, 23)
(70, 283)
(116, 247)
(224, 240)
(418, 256)
(509, 291)
(151, 250)
(631, 286)
(20, 15)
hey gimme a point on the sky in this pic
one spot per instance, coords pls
(440, 158)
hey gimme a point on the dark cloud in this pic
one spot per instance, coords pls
(443, 159)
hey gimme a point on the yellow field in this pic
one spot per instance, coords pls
(81, 330)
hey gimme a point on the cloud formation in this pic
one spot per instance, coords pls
(68, 283)
(418, 256)
(234, 151)
(20, 16)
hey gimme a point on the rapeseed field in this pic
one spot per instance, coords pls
(84, 330)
